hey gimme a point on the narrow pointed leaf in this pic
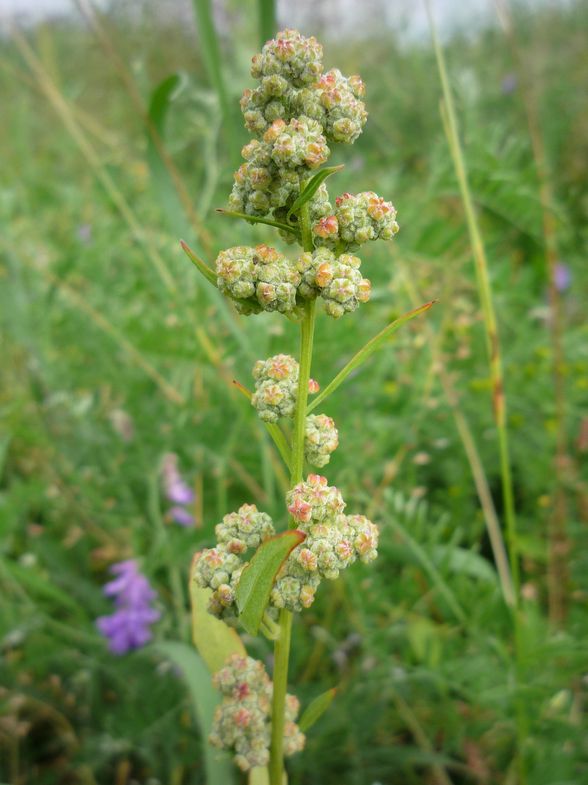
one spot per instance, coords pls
(316, 709)
(205, 699)
(273, 429)
(366, 351)
(257, 219)
(214, 639)
(164, 188)
(312, 187)
(201, 266)
(258, 577)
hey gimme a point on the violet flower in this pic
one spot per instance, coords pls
(177, 491)
(562, 277)
(129, 626)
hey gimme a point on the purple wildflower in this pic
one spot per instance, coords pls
(129, 626)
(177, 491)
(509, 84)
(182, 516)
(562, 277)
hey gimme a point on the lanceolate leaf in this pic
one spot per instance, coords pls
(201, 266)
(214, 639)
(219, 770)
(366, 351)
(257, 219)
(316, 709)
(312, 187)
(257, 579)
(164, 187)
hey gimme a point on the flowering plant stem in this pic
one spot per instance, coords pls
(282, 644)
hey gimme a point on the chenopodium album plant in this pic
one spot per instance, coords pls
(254, 576)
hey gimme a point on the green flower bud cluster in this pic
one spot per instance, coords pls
(293, 113)
(276, 387)
(220, 568)
(333, 542)
(321, 439)
(257, 279)
(292, 84)
(242, 722)
(337, 280)
(335, 101)
(357, 220)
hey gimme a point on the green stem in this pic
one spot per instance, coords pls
(484, 286)
(282, 646)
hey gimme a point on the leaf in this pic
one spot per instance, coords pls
(219, 769)
(257, 219)
(211, 54)
(255, 584)
(273, 429)
(431, 570)
(311, 188)
(201, 266)
(316, 708)
(464, 561)
(214, 639)
(267, 20)
(366, 351)
(164, 188)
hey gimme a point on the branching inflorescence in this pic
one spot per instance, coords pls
(295, 114)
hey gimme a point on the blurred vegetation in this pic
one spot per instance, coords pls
(115, 352)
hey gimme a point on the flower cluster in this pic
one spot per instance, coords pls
(129, 627)
(337, 280)
(177, 491)
(257, 279)
(242, 722)
(276, 387)
(333, 542)
(220, 568)
(357, 220)
(321, 439)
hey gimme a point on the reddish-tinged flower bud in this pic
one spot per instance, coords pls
(326, 227)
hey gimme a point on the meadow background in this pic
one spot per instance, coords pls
(115, 352)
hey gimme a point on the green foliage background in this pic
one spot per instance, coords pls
(108, 363)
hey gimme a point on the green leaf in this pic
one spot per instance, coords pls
(211, 54)
(163, 186)
(219, 769)
(311, 188)
(316, 708)
(214, 639)
(267, 20)
(464, 561)
(273, 429)
(255, 585)
(201, 266)
(366, 351)
(257, 219)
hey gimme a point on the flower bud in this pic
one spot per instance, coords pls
(244, 529)
(290, 55)
(276, 387)
(337, 280)
(242, 722)
(321, 439)
(365, 217)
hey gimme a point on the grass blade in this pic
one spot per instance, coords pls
(366, 351)
(267, 20)
(213, 62)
